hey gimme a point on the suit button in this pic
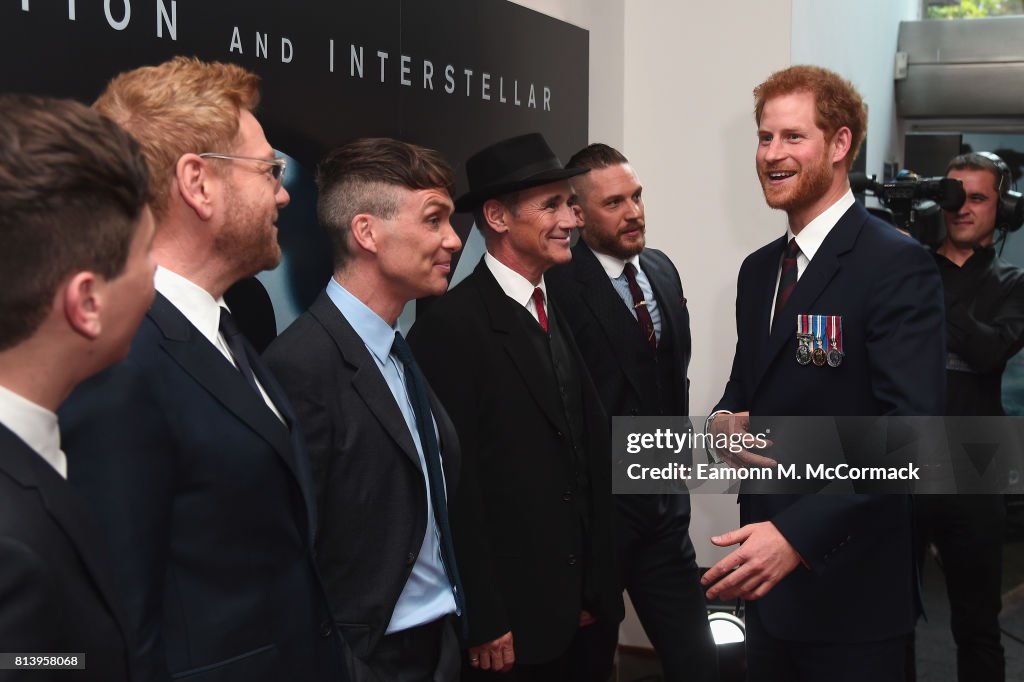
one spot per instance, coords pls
(410, 558)
(634, 412)
(567, 496)
(571, 560)
(326, 629)
(559, 434)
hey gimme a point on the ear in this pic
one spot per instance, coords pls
(82, 300)
(193, 176)
(495, 213)
(365, 229)
(842, 141)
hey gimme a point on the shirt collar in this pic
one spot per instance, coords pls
(193, 301)
(810, 238)
(377, 334)
(35, 425)
(614, 266)
(515, 286)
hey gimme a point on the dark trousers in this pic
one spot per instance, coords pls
(426, 653)
(553, 671)
(775, 660)
(967, 531)
(659, 570)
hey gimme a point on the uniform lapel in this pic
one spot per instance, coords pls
(821, 270)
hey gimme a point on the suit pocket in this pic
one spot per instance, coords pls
(259, 664)
(357, 636)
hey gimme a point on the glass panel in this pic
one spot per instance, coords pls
(971, 9)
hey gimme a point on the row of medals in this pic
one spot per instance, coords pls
(805, 354)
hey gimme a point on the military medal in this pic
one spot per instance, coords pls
(818, 355)
(835, 337)
(803, 348)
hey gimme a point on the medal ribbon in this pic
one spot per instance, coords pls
(835, 332)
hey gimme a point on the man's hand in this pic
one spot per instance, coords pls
(738, 424)
(763, 558)
(498, 655)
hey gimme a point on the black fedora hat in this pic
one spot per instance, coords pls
(509, 166)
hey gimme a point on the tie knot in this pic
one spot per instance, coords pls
(401, 350)
(538, 296)
(792, 249)
(630, 271)
(228, 327)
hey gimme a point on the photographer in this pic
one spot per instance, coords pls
(984, 298)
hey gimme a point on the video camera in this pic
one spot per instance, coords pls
(916, 203)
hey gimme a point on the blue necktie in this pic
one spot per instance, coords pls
(417, 387)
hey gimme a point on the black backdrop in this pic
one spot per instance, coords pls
(308, 108)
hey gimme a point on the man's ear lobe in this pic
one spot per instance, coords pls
(364, 228)
(843, 143)
(82, 300)
(192, 177)
(495, 213)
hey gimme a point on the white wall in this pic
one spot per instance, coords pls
(862, 48)
(604, 19)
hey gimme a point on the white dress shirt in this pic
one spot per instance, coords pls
(203, 312)
(811, 237)
(515, 286)
(35, 425)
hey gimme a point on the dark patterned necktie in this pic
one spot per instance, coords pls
(233, 336)
(787, 278)
(643, 316)
(417, 387)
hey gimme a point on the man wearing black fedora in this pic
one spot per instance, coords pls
(531, 517)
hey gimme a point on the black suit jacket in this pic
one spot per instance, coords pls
(622, 366)
(861, 585)
(206, 501)
(516, 525)
(608, 336)
(370, 489)
(57, 592)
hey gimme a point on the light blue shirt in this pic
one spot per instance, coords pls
(427, 594)
(615, 268)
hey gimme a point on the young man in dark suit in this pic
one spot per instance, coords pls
(382, 484)
(77, 278)
(829, 579)
(626, 308)
(532, 514)
(188, 450)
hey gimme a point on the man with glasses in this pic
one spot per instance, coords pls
(188, 450)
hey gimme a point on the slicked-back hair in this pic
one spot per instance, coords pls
(183, 105)
(363, 176)
(596, 155)
(72, 188)
(837, 102)
(980, 162)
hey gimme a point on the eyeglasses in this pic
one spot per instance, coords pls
(276, 170)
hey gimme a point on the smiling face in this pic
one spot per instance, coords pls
(975, 222)
(611, 208)
(801, 171)
(535, 236)
(415, 246)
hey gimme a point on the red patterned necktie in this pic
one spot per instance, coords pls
(643, 316)
(538, 302)
(787, 278)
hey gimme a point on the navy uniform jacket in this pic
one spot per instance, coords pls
(861, 584)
